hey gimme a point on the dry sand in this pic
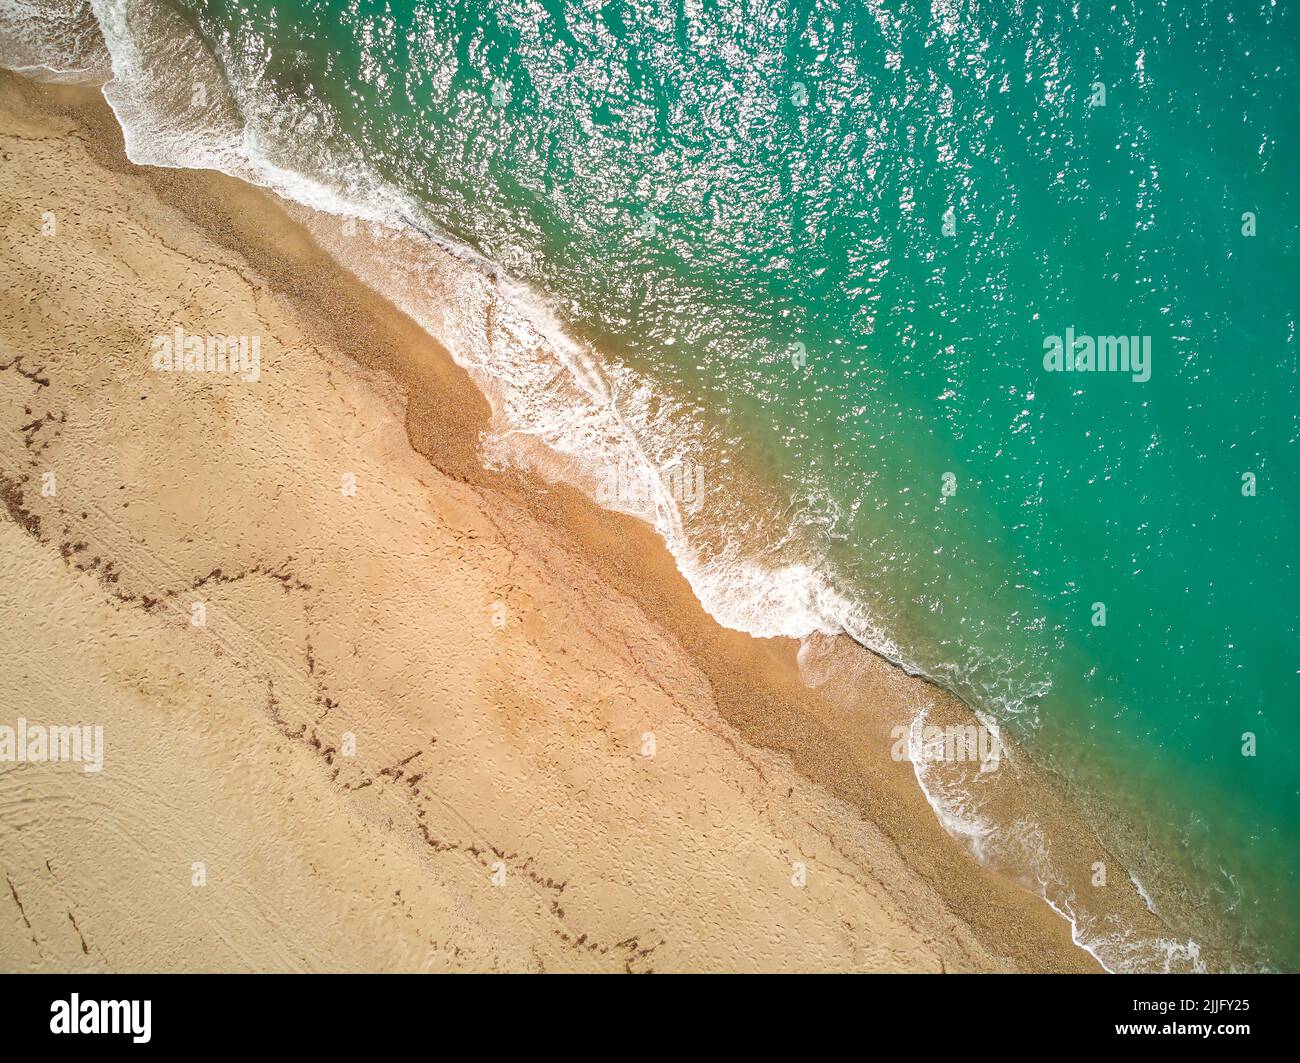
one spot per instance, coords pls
(499, 648)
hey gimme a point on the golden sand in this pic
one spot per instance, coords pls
(503, 653)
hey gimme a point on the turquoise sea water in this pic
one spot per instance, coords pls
(833, 238)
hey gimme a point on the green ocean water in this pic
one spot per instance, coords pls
(839, 235)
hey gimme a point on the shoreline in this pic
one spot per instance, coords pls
(746, 691)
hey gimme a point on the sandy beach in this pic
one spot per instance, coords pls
(366, 704)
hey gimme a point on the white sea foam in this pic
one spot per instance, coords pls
(1142, 892)
(1024, 848)
(955, 808)
(52, 40)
